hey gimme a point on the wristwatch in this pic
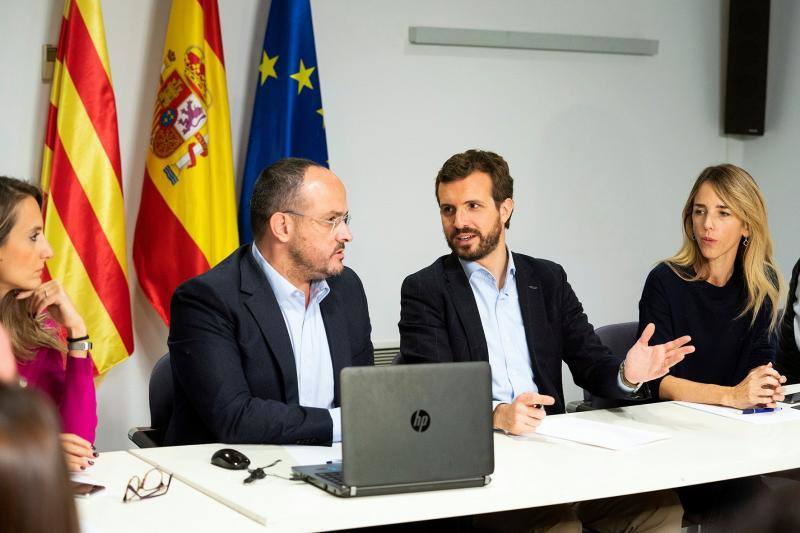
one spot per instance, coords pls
(634, 386)
(79, 344)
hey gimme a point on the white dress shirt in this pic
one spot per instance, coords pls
(312, 355)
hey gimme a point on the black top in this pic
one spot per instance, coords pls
(788, 356)
(440, 322)
(726, 346)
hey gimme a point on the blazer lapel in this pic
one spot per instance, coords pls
(267, 315)
(338, 340)
(534, 317)
(467, 309)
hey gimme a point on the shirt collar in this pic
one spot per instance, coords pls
(471, 267)
(282, 287)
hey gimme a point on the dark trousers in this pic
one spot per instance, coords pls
(713, 504)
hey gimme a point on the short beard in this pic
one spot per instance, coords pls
(486, 244)
(306, 269)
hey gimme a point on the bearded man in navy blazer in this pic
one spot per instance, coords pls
(257, 343)
(519, 313)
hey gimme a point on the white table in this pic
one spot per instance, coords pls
(528, 473)
(180, 509)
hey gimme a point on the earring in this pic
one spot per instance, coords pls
(745, 242)
(693, 237)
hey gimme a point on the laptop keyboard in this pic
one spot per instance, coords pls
(333, 477)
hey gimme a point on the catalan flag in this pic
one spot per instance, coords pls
(82, 180)
(287, 113)
(187, 217)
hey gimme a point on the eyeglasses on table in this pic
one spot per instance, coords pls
(151, 485)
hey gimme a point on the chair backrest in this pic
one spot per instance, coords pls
(161, 394)
(618, 338)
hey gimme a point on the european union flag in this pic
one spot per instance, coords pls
(287, 113)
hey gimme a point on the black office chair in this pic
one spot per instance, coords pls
(618, 338)
(161, 396)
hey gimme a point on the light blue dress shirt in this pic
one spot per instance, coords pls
(501, 318)
(312, 355)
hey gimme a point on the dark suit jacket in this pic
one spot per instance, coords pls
(439, 322)
(232, 360)
(788, 356)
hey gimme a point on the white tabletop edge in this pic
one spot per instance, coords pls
(252, 515)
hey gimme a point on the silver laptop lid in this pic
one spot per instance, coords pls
(416, 423)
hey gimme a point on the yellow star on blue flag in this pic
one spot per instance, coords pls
(267, 67)
(303, 77)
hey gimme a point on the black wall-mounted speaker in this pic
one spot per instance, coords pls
(746, 80)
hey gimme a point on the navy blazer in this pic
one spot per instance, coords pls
(232, 360)
(439, 321)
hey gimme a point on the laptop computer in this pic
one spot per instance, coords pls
(411, 428)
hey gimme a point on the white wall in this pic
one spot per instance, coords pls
(773, 159)
(603, 148)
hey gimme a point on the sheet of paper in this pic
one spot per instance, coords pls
(784, 414)
(790, 389)
(613, 437)
(315, 455)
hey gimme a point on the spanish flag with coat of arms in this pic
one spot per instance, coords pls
(187, 216)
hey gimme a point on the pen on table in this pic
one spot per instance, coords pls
(757, 410)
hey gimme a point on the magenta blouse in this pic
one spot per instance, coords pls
(70, 387)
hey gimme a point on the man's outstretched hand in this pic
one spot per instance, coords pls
(645, 363)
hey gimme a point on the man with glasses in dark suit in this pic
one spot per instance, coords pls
(485, 303)
(257, 343)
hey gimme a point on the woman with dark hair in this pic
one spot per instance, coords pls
(722, 289)
(38, 315)
(35, 493)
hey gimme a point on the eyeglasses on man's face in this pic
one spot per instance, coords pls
(151, 485)
(333, 222)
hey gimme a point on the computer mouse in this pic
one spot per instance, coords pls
(230, 459)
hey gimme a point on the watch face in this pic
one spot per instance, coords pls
(80, 346)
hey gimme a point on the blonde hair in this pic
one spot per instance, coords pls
(27, 333)
(741, 194)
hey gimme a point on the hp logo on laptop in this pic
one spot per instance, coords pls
(420, 421)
